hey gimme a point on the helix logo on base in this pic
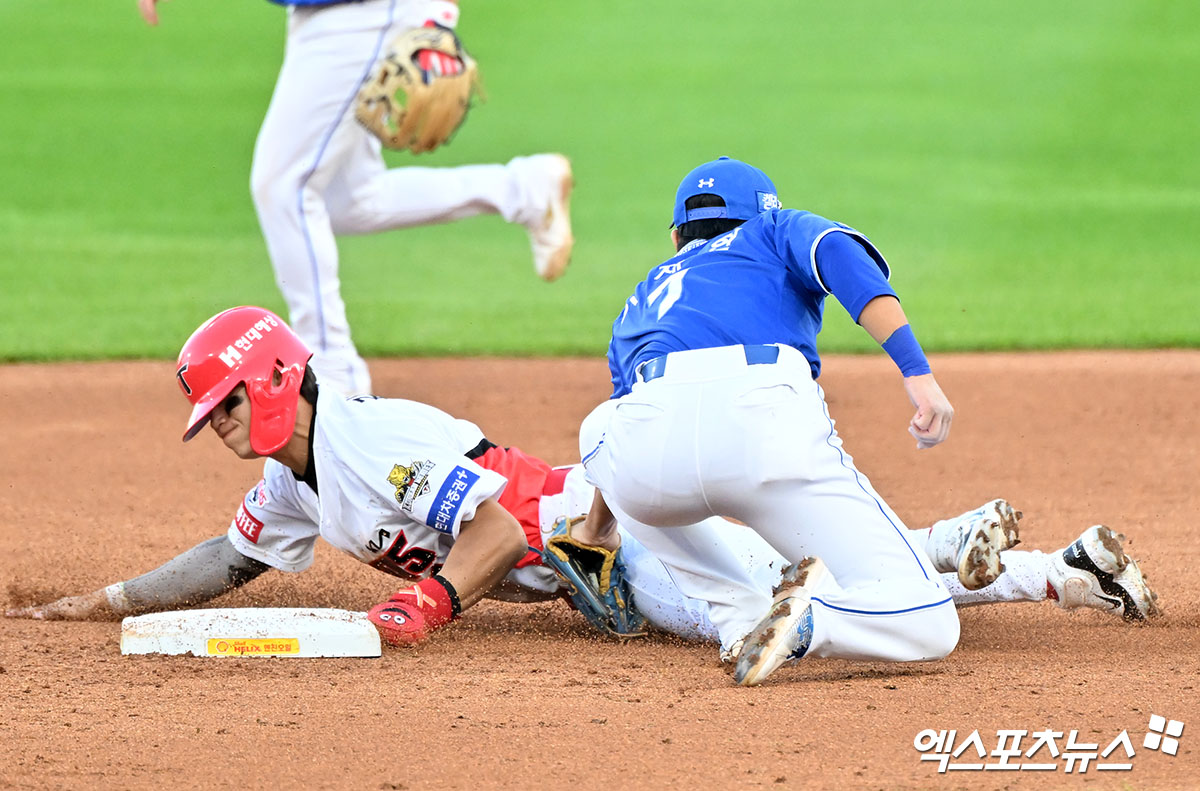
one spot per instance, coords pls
(1078, 756)
(243, 646)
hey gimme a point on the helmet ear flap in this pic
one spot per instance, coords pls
(273, 407)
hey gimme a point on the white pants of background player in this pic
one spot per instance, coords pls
(715, 436)
(318, 173)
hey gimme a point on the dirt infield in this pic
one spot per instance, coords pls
(98, 488)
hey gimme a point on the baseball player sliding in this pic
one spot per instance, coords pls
(716, 411)
(318, 172)
(411, 491)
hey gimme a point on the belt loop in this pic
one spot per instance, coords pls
(652, 369)
(761, 354)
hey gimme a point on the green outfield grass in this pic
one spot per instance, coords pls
(1030, 169)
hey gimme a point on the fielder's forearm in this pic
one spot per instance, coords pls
(203, 572)
(881, 317)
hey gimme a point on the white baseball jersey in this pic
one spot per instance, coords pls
(395, 487)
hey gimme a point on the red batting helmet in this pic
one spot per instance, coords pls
(245, 345)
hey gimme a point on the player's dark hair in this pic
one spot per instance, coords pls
(708, 228)
(308, 386)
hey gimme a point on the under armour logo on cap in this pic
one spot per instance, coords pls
(706, 182)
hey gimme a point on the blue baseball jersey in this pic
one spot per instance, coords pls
(763, 282)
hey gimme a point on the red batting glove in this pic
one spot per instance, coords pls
(397, 624)
(411, 614)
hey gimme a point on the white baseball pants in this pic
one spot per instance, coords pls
(716, 436)
(657, 595)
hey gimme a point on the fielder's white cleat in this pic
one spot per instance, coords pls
(971, 544)
(550, 232)
(1095, 572)
(785, 632)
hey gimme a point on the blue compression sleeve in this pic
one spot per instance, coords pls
(850, 273)
(906, 353)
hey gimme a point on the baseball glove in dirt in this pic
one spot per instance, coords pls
(595, 581)
(419, 93)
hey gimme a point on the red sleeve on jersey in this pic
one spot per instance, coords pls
(529, 478)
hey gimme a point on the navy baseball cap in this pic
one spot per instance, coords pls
(746, 189)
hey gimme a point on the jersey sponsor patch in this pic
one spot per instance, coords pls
(411, 482)
(247, 525)
(450, 498)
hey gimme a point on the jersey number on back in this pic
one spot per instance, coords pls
(672, 287)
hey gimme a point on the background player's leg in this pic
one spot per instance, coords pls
(308, 134)
(367, 196)
(531, 191)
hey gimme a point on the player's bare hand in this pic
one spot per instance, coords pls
(149, 11)
(931, 423)
(88, 607)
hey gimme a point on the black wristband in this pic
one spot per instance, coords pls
(455, 604)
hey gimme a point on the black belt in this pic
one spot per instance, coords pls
(756, 354)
